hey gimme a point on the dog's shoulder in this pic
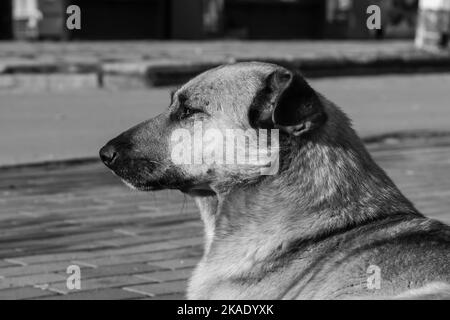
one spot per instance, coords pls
(401, 241)
(407, 252)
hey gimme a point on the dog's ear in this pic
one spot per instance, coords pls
(290, 104)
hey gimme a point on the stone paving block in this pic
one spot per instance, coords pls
(13, 262)
(106, 257)
(165, 276)
(136, 240)
(30, 280)
(103, 294)
(4, 264)
(144, 248)
(159, 288)
(54, 257)
(176, 263)
(155, 246)
(23, 293)
(99, 283)
(117, 270)
(146, 256)
(34, 269)
(175, 296)
(180, 243)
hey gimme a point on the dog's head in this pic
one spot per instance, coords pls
(221, 128)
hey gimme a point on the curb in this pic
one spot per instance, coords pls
(313, 68)
(172, 72)
(49, 68)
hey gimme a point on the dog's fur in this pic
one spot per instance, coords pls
(308, 232)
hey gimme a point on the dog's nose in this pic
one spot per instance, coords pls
(108, 154)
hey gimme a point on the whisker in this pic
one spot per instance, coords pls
(183, 207)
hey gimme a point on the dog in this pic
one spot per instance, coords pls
(328, 224)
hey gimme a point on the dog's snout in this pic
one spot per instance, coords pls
(108, 154)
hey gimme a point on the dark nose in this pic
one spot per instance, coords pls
(108, 154)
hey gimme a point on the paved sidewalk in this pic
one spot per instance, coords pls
(112, 64)
(16, 57)
(133, 245)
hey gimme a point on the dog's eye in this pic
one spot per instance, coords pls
(187, 112)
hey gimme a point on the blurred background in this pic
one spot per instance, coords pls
(206, 19)
(65, 92)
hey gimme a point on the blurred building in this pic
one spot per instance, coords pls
(52, 24)
(26, 17)
(202, 19)
(275, 19)
(433, 30)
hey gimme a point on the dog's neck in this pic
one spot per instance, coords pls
(329, 183)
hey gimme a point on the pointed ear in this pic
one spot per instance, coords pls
(296, 106)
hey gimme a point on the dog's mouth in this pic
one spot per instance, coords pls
(198, 190)
(142, 186)
(187, 188)
(172, 181)
(194, 190)
(137, 181)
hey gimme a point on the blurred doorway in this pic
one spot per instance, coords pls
(275, 19)
(6, 20)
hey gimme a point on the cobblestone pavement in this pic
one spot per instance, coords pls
(132, 245)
